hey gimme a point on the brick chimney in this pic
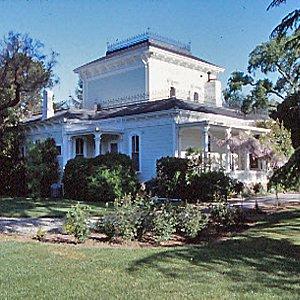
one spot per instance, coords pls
(47, 110)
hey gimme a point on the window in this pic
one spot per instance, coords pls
(253, 162)
(135, 152)
(196, 96)
(172, 92)
(79, 147)
(114, 148)
(58, 148)
(23, 151)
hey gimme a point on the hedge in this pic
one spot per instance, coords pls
(177, 178)
(103, 178)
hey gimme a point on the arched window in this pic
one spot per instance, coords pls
(172, 92)
(196, 96)
(79, 147)
(135, 152)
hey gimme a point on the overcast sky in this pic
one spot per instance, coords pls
(220, 31)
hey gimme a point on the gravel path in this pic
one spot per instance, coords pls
(29, 226)
(269, 200)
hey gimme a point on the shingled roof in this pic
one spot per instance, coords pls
(146, 107)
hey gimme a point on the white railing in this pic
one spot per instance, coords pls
(165, 41)
(216, 161)
(125, 100)
(154, 95)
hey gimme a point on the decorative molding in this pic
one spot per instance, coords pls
(111, 65)
(186, 62)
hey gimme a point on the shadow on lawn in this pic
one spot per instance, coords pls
(38, 207)
(249, 259)
(27, 207)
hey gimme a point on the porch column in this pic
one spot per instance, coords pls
(175, 132)
(97, 139)
(247, 155)
(205, 140)
(85, 142)
(70, 154)
(247, 161)
(228, 152)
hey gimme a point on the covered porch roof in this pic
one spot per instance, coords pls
(206, 123)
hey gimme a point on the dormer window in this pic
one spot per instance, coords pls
(196, 96)
(172, 92)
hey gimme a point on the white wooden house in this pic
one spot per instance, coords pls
(149, 97)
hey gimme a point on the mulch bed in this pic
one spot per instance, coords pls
(211, 234)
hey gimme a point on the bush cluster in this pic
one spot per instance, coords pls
(180, 178)
(103, 178)
(225, 216)
(134, 218)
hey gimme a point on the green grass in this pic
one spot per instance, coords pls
(29, 207)
(261, 263)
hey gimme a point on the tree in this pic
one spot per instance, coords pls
(42, 167)
(288, 112)
(290, 22)
(24, 71)
(72, 102)
(79, 94)
(12, 170)
(278, 140)
(276, 58)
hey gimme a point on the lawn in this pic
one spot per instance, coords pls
(30, 207)
(261, 263)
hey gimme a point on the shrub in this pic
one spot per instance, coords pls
(126, 220)
(103, 178)
(164, 222)
(76, 222)
(42, 167)
(132, 218)
(124, 165)
(75, 177)
(181, 178)
(209, 186)
(171, 177)
(236, 187)
(191, 221)
(222, 215)
(40, 234)
(105, 184)
(151, 187)
(258, 188)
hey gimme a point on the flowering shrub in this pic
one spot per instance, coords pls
(191, 221)
(223, 215)
(76, 222)
(164, 222)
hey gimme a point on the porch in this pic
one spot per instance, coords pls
(91, 143)
(216, 153)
